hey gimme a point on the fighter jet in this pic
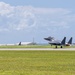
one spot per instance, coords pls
(55, 42)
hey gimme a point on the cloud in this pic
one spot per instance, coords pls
(5, 9)
(51, 11)
(28, 17)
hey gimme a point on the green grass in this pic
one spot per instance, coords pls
(33, 46)
(26, 46)
(37, 62)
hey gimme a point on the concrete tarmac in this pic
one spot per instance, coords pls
(49, 49)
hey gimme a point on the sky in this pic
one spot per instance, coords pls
(25, 20)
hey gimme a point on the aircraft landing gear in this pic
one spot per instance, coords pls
(56, 47)
(61, 47)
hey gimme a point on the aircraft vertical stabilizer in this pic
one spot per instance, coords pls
(63, 41)
(70, 41)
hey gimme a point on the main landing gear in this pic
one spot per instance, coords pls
(61, 47)
(57, 47)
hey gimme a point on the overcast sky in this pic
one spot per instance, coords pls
(23, 20)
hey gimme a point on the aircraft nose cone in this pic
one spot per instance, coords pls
(47, 39)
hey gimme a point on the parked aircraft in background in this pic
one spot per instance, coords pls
(26, 43)
(56, 42)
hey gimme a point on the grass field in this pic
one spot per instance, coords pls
(33, 46)
(25, 46)
(37, 62)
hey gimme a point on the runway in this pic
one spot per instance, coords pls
(49, 49)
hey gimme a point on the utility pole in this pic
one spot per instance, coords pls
(33, 41)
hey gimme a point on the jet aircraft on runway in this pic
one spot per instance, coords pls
(56, 42)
